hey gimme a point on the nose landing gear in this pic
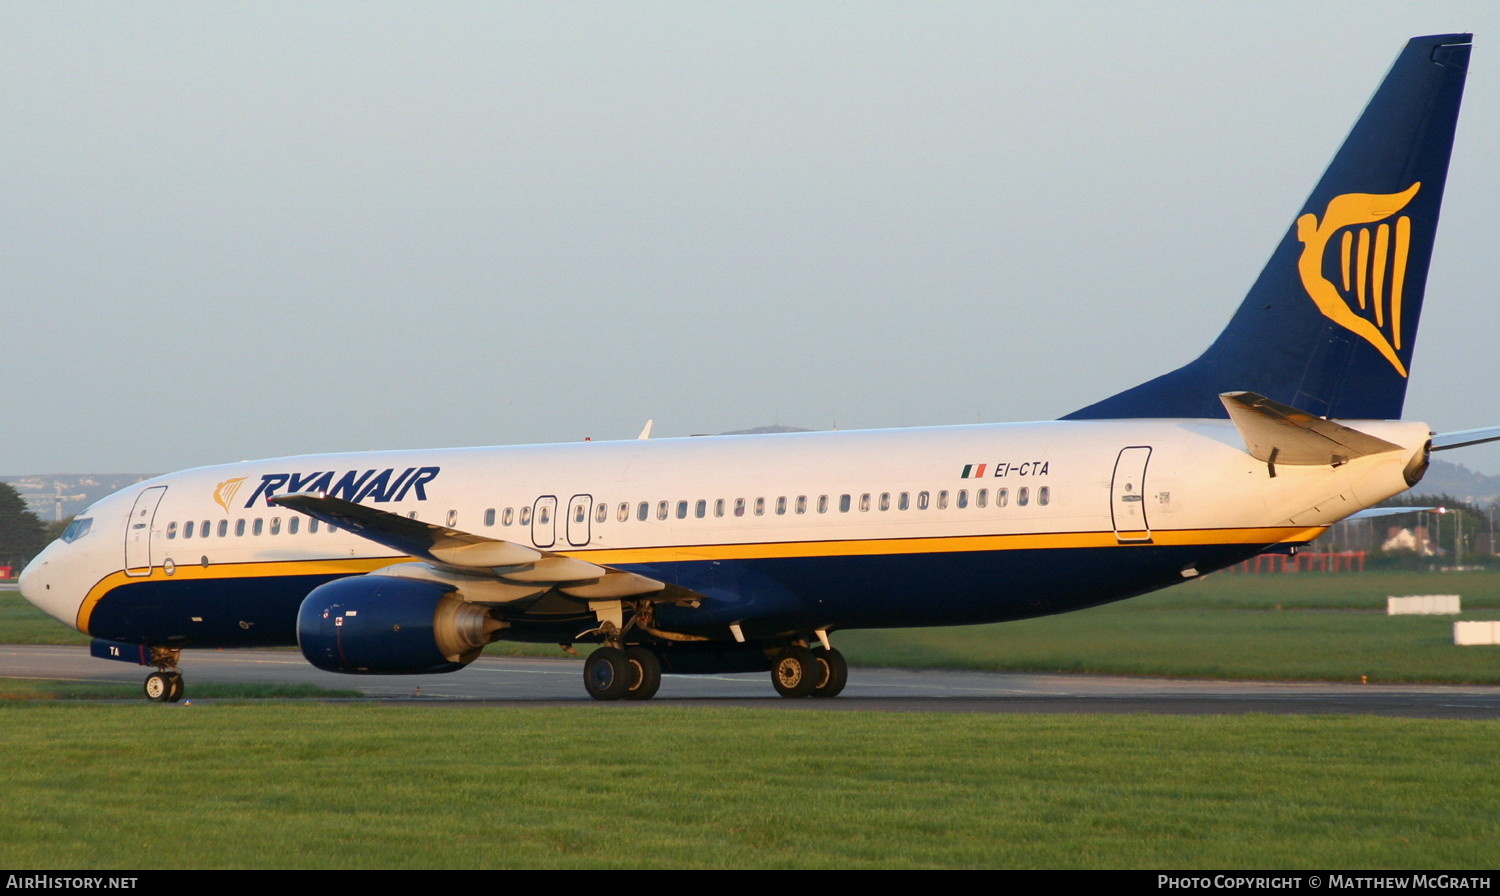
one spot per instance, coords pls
(165, 684)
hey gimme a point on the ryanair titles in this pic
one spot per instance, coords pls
(378, 486)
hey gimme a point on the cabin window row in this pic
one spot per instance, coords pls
(783, 505)
(244, 526)
(642, 511)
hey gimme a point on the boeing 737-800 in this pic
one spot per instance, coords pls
(742, 553)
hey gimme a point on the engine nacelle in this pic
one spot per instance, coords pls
(384, 625)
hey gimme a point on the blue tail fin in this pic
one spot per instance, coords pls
(1330, 323)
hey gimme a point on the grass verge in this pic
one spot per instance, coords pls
(640, 786)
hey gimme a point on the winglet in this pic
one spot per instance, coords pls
(646, 430)
(1280, 434)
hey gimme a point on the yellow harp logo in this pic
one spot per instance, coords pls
(1371, 262)
(224, 492)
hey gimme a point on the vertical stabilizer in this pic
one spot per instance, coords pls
(1330, 323)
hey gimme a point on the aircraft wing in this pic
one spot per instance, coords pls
(451, 550)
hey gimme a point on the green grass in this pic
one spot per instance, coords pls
(284, 785)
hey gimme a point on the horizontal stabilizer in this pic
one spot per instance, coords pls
(1280, 434)
(1370, 513)
(1464, 438)
(463, 552)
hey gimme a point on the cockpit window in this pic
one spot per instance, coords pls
(77, 529)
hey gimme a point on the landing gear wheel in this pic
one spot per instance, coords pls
(832, 674)
(158, 687)
(794, 672)
(175, 687)
(645, 673)
(606, 674)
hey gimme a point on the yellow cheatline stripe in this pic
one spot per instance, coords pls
(949, 544)
(757, 551)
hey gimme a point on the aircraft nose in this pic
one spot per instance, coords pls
(39, 586)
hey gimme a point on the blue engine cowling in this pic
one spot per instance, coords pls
(384, 625)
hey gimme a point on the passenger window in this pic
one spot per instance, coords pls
(822, 503)
(223, 528)
(489, 517)
(259, 525)
(760, 506)
(623, 514)
(719, 507)
(602, 514)
(275, 525)
(1043, 495)
(187, 529)
(1002, 497)
(508, 517)
(963, 498)
(643, 511)
(1023, 496)
(682, 510)
(580, 513)
(885, 501)
(172, 529)
(524, 517)
(781, 506)
(864, 502)
(239, 527)
(205, 530)
(292, 525)
(943, 500)
(544, 515)
(312, 527)
(700, 510)
(844, 503)
(661, 510)
(921, 500)
(739, 506)
(904, 501)
(982, 498)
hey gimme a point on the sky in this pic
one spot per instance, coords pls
(237, 230)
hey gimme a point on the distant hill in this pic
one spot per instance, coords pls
(56, 496)
(1445, 478)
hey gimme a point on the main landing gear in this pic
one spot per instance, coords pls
(799, 672)
(614, 673)
(165, 684)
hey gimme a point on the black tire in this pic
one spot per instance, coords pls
(606, 674)
(645, 673)
(158, 687)
(176, 689)
(832, 675)
(794, 672)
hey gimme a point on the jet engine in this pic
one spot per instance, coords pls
(385, 625)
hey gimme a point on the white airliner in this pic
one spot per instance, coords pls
(740, 553)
